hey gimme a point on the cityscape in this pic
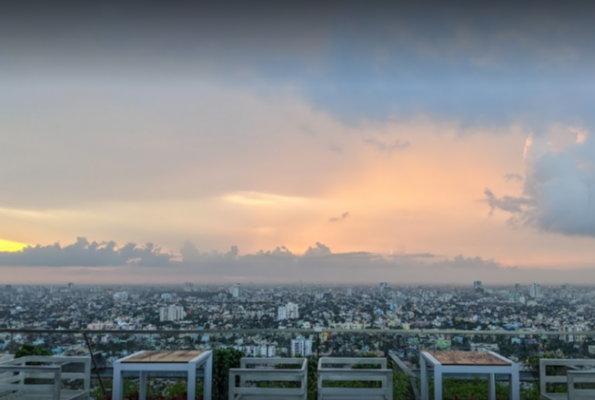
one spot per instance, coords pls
(317, 319)
(250, 200)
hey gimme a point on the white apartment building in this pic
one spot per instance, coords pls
(289, 311)
(121, 296)
(171, 313)
(235, 290)
(99, 326)
(301, 347)
(267, 350)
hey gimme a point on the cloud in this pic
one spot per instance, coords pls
(507, 203)
(319, 250)
(559, 189)
(357, 62)
(82, 253)
(387, 147)
(106, 262)
(512, 177)
(341, 218)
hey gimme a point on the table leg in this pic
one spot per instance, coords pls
(117, 385)
(208, 379)
(492, 387)
(425, 389)
(142, 386)
(437, 383)
(515, 385)
(192, 381)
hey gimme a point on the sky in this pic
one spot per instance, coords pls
(261, 142)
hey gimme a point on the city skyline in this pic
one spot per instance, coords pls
(281, 143)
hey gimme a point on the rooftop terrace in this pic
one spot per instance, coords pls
(400, 347)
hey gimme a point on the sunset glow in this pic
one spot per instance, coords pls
(469, 141)
(10, 246)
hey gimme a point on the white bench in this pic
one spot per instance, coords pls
(574, 375)
(580, 377)
(254, 370)
(14, 373)
(341, 369)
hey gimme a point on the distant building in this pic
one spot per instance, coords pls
(235, 290)
(382, 287)
(265, 350)
(99, 326)
(289, 311)
(301, 347)
(478, 286)
(121, 296)
(171, 313)
(535, 291)
(70, 285)
(188, 287)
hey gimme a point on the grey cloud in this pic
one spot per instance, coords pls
(319, 250)
(189, 252)
(280, 265)
(506, 203)
(335, 148)
(387, 147)
(512, 177)
(82, 253)
(559, 189)
(341, 218)
(470, 263)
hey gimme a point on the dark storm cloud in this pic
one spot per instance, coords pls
(480, 63)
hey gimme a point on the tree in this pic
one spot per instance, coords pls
(30, 350)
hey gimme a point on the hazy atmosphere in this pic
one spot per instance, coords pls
(269, 143)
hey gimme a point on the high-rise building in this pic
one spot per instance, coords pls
(382, 287)
(477, 285)
(235, 290)
(188, 287)
(171, 313)
(535, 291)
(70, 285)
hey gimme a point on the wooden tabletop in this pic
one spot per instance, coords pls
(177, 356)
(467, 358)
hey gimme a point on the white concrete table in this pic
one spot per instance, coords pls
(164, 361)
(467, 362)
